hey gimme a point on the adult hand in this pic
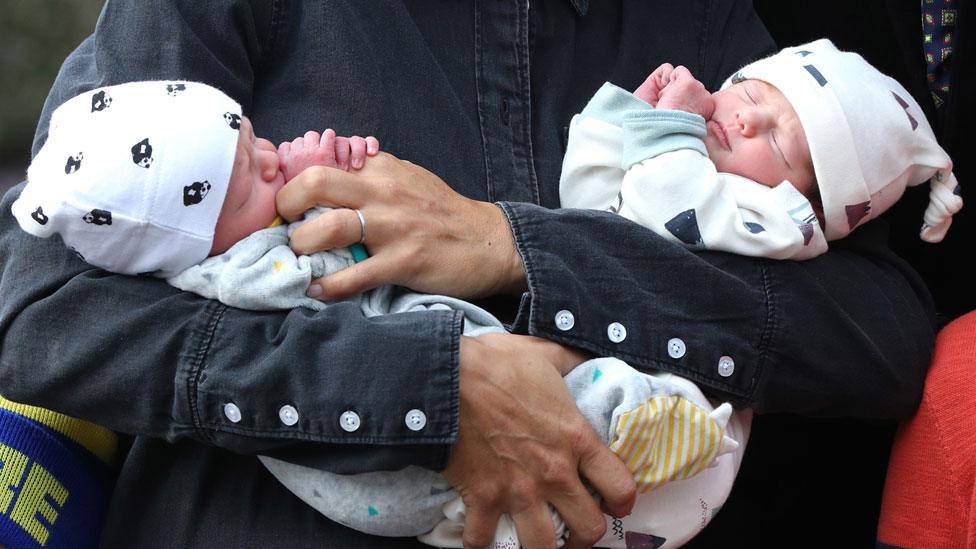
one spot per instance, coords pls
(523, 445)
(421, 234)
(684, 92)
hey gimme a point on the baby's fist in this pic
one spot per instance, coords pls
(309, 150)
(351, 152)
(327, 150)
(650, 90)
(685, 93)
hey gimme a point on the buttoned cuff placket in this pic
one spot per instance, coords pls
(246, 417)
(550, 310)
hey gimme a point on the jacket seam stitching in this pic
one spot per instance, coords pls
(196, 369)
(276, 10)
(530, 278)
(703, 43)
(767, 333)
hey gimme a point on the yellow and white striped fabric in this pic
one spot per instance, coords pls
(666, 438)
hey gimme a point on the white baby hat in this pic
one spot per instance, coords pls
(868, 138)
(133, 176)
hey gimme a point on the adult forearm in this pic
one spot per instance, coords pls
(845, 334)
(137, 356)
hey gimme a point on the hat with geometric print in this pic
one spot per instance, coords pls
(133, 176)
(868, 138)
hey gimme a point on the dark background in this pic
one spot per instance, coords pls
(35, 37)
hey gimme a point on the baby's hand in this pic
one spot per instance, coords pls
(327, 149)
(351, 152)
(684, 93)
(650, 90)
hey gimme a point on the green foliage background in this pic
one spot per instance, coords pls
(35, 37)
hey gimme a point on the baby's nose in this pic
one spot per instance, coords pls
(750, 121)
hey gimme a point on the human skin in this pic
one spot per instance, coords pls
(518, 450)
(261, 170)
(752, 129)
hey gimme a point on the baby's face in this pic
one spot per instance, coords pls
(250, 202)
(754, 132)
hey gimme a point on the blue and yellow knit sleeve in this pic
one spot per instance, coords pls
(55, 478)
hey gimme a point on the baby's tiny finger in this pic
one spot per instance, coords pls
(357, 151)
(372, 145)
(342, 152)
(312, 138)
(328, 138)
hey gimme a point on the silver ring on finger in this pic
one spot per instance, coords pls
(362, 226)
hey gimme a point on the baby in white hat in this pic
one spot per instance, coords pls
(154, 177)
(795, 150)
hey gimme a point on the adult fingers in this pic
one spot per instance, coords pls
(534, 527)
(334, 229)
(480, 524)
(322, 186)
(582, 515)
(356, 279)
(608, 475)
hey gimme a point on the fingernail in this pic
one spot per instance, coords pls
(314, 290)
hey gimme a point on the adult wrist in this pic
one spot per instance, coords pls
(511, 270)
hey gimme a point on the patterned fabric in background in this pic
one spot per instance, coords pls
(938, 27)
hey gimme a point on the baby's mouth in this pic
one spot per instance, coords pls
(719, 132)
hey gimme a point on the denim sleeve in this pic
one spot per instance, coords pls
(846, 334)
(138, 356)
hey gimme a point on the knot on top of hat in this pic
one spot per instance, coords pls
(944, 202)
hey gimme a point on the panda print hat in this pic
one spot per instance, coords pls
(133, 176)
(868, 138)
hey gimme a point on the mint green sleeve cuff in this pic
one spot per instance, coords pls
(611, 103)
(649, 133)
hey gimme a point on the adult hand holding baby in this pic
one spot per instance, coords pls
(523, 445)
(517, 451)
(421, 233)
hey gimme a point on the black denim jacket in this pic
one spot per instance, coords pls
(480, 92)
